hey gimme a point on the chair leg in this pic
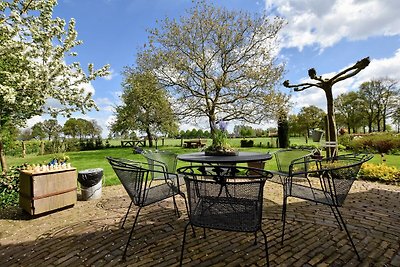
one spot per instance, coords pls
(176, 207)
(130, 234)
(266, 247)
(187, 210)
(126, 215)
(336, 217)
(283, 217)
(348, 233)
(183, 243)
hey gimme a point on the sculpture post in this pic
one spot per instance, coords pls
(326, 85)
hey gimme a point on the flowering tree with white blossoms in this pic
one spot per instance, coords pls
(33, 68)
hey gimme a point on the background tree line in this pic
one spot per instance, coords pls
(74, 135)
(369, 109)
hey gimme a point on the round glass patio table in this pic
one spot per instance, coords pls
(241, 157)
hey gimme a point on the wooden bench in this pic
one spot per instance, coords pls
(133, 143)
(194, 143)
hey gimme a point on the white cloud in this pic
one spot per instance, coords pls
(325, 23)
(32, 121)
(110, 76)
(385, 67)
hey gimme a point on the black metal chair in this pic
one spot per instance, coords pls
(284, 158)
(168, 160)
(334, 176)
(228, 198)
(143, 190)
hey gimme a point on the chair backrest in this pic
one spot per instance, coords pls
(224, 195)
(336, 176)
(134, 178)
(166, 159)
(285, 157)
(339, 174)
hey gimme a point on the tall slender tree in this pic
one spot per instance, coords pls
(350, 110)
(145, 106)
(381, 96)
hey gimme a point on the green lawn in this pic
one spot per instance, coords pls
(97, 158)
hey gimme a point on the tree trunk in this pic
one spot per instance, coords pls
(41, 147)
(2, 159)
(384, 121)
(213, 128)
(331, 133)
(23, 149)
(150, 137)
(283, 132)
(379, 124)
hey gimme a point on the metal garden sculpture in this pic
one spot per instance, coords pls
(326, 85)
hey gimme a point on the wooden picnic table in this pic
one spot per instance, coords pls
(133, 143)
(194, 143)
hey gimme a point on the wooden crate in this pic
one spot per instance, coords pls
(41, 192)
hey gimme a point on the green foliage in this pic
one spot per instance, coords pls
(310, 118)
(51, 128)
(380, 172)
(304, 146)
(345, 140)
(145, 106)
(38, 131)
(91, 144)
(9, 188)
(381, 98)
(379, 143)
(15, 148)
(350, 110)
(246, 131)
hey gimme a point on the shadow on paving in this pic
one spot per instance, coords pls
(312, 238)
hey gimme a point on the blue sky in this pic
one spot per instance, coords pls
(328, 35)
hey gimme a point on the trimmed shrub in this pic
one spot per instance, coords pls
(246, 143)
(308, 146)
(378, 143)
(380, 172)
(345, 140)
(9, 188)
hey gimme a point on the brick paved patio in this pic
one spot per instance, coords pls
(89, 234)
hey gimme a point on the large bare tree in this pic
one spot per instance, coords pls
(219, 64)
(326, 85)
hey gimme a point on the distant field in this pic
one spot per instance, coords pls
(97, 158)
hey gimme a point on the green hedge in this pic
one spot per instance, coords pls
(9, 188)
(378, 143)
(246, 143)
